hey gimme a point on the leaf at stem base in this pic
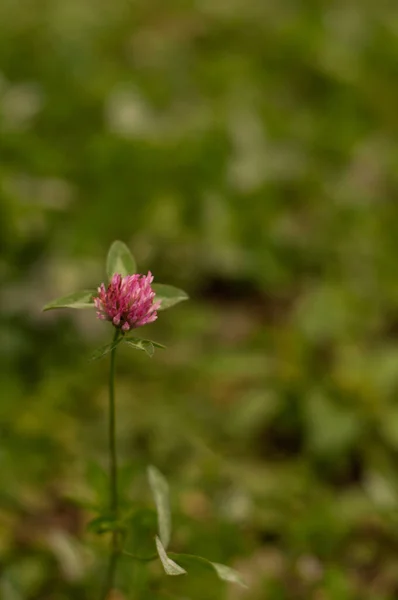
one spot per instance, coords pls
(170, 567)
(222, 571)
(160, 492)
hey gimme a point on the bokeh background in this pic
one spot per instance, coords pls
(246, 151)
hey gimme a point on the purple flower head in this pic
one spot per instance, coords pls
(128, 301)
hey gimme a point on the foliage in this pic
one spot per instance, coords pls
(246, 152)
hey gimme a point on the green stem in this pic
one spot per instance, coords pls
(112, 433)
(113, 491)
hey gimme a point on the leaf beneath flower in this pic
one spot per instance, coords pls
(134, 339)
(82, 299)
(147, 346)
(104, 350)
(168, 294)
(144, 345)
(120, 260)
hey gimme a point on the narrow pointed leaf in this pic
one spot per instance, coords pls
(144, 345)
(228, 574)
(160, 492)
(222, 571)
(82, 299)
(168, 294)
(104, 350)
(156, 344)
(170, 567)
(120, 260)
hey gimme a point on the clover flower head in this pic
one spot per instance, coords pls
(128, 302)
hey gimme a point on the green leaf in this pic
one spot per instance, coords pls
(170, 567)
(120, 260)
(129, 338)
(82, 299)
(168, 294)
(222, 571)
(147, 346)
(160, 492)
(227, 574)
(104, 350)
(144, 345)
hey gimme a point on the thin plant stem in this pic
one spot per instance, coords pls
(113, 500)
(113, 487)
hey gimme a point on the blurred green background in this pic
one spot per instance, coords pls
(246, 151)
